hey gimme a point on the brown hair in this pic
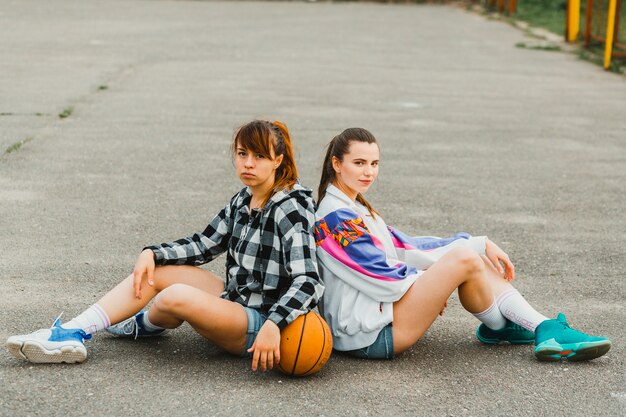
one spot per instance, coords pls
(338, 147)
(260, 137)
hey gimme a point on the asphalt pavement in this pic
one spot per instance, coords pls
(525, 146)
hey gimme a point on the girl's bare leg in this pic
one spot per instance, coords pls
(121, 303)
(222, 322)
(514, 306)
(415, 312)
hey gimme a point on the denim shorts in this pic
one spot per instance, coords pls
(382, 348)
(255, 321)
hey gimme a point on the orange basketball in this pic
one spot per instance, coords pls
(305, 345)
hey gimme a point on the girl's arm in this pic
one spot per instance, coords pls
(348, 251)
(423, 251)
(295, 222)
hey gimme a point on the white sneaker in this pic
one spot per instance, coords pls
(53, 345)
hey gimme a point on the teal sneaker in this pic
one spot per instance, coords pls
(133, 327)
(511, 332)
(555, 341)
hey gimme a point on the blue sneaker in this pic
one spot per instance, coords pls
(556, 341)
(53, 345)
(133, 327)
(512, 333)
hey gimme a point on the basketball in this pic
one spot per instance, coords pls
(305, 345)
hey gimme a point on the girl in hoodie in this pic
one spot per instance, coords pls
(271, 270)
(384, 289)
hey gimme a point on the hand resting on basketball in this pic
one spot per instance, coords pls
(266, 347)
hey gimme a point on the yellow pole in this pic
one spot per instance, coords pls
(573, 20)
(610, 27)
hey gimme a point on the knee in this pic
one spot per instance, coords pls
(161, 276)
(171, 298)
(470, 262)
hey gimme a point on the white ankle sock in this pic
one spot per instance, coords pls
(515, 308)
(147, 324)
(492, 317)
(91, 320)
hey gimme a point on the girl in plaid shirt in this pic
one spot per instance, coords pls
(271, 269)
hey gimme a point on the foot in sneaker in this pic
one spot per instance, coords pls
(556, 341)
(511, 332)
(53, 345)
(133, 327)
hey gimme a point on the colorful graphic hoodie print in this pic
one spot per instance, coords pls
(366, 266)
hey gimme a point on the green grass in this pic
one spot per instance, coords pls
(17, 145)
(547, 47)
(67, 112)
(595, 54)
(23, 114)
(548, 14)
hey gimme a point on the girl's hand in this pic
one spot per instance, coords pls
(443, 308)
(498, 257)
(266, 347)
(144, 265)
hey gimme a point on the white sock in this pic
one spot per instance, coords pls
(492, 317)
(91, 320)
(147, 324)
(515, 308)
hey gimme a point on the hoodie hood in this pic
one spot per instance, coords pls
(302, 194)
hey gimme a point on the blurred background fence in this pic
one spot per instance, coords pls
(599, 25)
(605, 23)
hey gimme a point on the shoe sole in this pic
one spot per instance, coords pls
(504, 342)
(37, 353)
(15, 349)
(132, 336)
(500, 341)
(552, 351)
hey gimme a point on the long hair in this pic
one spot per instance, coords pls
(338, 147)
(261, 137)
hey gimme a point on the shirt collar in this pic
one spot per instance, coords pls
(337, 193)
(277, 197)
(243, 202)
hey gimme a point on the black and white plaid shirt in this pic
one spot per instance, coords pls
(270, 262)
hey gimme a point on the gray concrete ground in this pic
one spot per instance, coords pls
(528, 147)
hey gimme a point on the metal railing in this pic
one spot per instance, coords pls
(603, 20)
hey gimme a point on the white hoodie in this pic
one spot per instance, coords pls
(366, 266)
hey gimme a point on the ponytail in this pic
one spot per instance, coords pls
(328, 172)
(286, 173)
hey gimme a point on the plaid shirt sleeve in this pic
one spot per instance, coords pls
(199, 248)
(294, 223)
